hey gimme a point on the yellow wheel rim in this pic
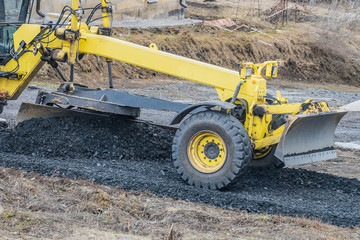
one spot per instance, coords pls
(207, 152)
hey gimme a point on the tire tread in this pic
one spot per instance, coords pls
(242, 148)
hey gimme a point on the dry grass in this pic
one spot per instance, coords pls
(37, 207)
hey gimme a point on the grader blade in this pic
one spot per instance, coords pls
(29, 111)
(308, 138)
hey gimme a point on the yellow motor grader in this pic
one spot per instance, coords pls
(215, 141)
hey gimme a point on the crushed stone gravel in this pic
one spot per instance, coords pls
(102, 138)
(138, 157)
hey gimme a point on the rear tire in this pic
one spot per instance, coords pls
(269, 161)
(211, 150)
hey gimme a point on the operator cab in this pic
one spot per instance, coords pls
(13, 14)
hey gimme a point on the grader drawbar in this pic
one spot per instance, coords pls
(215, 142)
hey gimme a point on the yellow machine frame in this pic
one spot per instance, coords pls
(75, 39)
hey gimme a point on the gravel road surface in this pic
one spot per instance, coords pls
(138, 157)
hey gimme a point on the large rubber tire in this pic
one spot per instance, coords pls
(234, 137)
(269, 161)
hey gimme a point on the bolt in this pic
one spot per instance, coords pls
(203, 145)
(204, 157)
(215, 160)
(202, 151)
(209, 160)
(218, 143)
(207, 141)
(213, 140)
(219, 155)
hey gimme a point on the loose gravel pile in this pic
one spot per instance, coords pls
(137, 157)
(100, 138)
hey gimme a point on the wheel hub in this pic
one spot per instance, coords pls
(207, 152)
(211, 150)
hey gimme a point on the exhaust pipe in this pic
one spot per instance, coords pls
(41, 14)
(183, 3)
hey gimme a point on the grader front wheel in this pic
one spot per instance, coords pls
(211, 150)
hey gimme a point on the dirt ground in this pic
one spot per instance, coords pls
(89, 179)
(38, 207)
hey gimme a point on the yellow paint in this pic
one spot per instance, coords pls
(253, 91)
(283, 108)
(74, 28)
(105, 14)
(26, 33)
(270, 139)
(29, 63)
(197, 152)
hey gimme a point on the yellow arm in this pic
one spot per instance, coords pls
(224, 80)
(152, 58)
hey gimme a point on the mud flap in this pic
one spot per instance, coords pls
(308, 138)
(28, 111)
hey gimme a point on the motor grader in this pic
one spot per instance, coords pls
(215, 141)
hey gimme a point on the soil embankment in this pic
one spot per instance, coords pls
(306, 57)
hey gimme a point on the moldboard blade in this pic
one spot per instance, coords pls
(29, 110)
(309, 138)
